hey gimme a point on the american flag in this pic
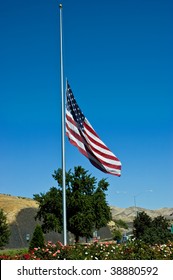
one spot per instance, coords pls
(82, 135)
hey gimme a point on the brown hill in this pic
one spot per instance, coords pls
(21, 214)
(21, 211)
(128, 214)
(12, 205)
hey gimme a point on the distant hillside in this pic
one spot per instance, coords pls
(21, 211)
(12, 205)
(21, 214)
(128, 214)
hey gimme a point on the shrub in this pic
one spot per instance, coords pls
(37, 238)
(135, 250)
(152, 231)
(117, 235)
(121, 223)
(4, 229)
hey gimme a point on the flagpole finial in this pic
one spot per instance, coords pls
(60, 5)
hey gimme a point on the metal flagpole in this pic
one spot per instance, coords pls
(63, 133)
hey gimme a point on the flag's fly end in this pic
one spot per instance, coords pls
(82, 135)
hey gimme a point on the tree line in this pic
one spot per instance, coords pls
(87, 211)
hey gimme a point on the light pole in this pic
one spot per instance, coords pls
(135, 205)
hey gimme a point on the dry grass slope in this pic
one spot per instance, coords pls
(12, 205)
(21, 213)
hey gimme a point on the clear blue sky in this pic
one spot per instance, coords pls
(118, 58)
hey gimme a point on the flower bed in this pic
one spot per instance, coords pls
(97, 251)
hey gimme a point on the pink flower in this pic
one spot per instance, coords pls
(60, 243)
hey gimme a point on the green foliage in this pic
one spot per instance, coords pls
(120, 223)
(50, 209)
(13, 252)
(37, 238)
(4, 229)
(101, 211)
(152, 231)
(87, 208)
(140, 223)
(117, 229)
(117, 234)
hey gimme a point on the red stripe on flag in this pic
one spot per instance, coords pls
(83, 136)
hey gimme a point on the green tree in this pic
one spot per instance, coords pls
(140, 223)
(37, 238)
(152, 231)
(101, 211)
(87, 208)
(4, 229)
(118, 229)
(158, 233)
(121, 224)
(50, 209)
(117, 234)
(160, 222)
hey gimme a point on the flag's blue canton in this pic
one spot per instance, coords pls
(74, 109)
